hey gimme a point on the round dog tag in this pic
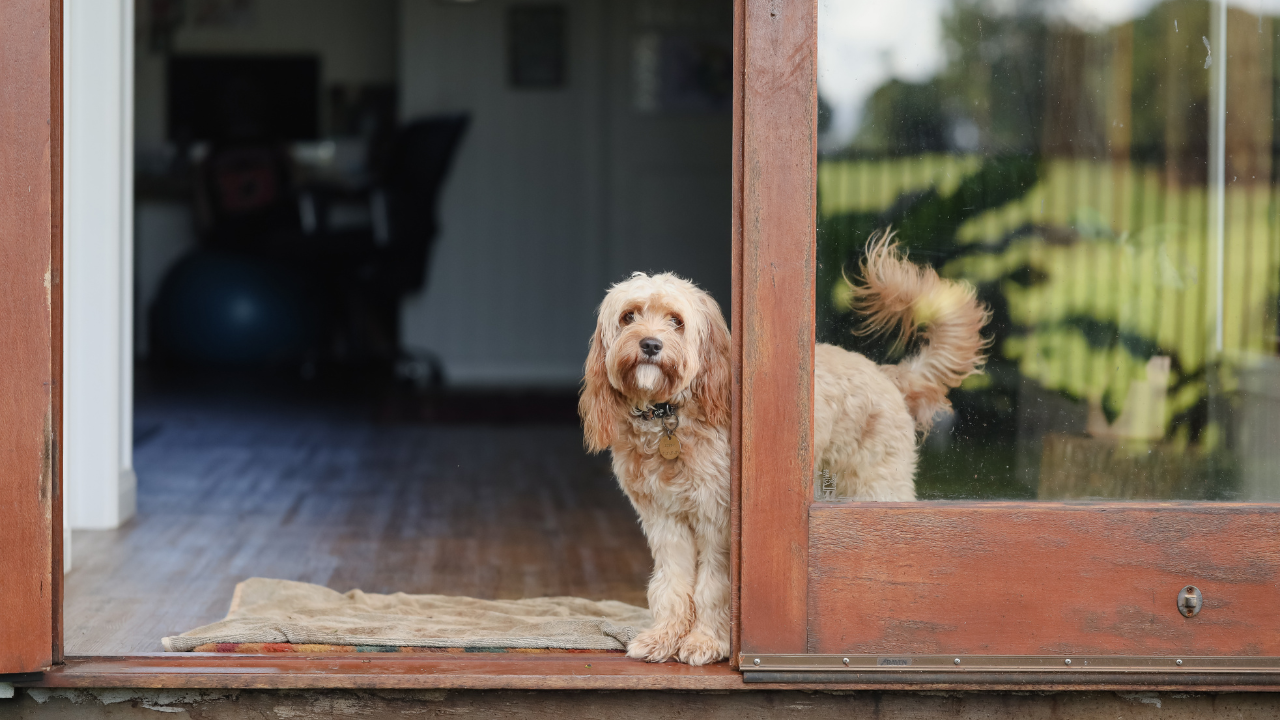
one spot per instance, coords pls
(669, 447)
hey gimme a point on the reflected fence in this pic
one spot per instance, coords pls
(1102, 278)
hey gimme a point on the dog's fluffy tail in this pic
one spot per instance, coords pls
(899, 296)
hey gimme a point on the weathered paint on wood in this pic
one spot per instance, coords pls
(30, 331)
(568, 671)
(775, 326)
(1043, 579)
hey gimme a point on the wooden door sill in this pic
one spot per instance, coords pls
(568, 671)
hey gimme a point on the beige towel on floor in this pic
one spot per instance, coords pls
(283, 611)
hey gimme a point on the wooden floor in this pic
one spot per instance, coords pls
(234, 488)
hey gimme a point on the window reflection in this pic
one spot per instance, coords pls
(1104, 174)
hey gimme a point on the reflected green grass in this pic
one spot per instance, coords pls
(970, 470)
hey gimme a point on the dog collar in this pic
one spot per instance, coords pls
(669, 422)
(657, 411)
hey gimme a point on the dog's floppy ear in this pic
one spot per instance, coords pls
(712, 386)
(598, 404)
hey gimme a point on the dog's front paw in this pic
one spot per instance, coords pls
(699, 648)
(655, 645)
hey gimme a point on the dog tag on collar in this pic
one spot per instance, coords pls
(669, 447)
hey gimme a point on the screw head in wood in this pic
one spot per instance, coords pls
(756, 661)
(957, 661)
(1068, 661)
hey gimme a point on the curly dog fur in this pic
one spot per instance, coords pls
(867, 420)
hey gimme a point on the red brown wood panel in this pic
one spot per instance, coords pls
(735, 321)
(29, 121)
(1043, 579)
(779, 175)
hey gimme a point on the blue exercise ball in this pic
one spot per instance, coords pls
(221, 308)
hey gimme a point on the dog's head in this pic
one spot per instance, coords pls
(658, 339)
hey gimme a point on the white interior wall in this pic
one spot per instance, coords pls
(670, 172)
(98, 176)
(519, 262)
(554, 194)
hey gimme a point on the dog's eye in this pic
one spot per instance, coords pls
(677, 321)
(628, 318)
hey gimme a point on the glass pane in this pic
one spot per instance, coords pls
(1104, 175)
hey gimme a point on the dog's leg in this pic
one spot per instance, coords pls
(670, 588)
(709, 639)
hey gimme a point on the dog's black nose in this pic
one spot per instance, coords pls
(651, 346)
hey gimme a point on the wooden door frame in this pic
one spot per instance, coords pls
(807, 588)
(31, 334)
(774, 214)
(775, 129)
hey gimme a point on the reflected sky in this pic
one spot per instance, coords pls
(862, 44)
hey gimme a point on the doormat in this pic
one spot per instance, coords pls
(283, 613)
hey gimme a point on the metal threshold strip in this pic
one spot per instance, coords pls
(1004, 669)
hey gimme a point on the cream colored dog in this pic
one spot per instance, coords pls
(656, 393)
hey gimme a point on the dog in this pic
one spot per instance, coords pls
(656, 393)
